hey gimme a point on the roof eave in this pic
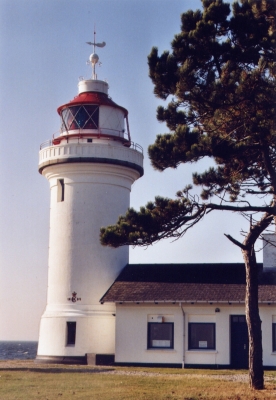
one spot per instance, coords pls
(192, 302)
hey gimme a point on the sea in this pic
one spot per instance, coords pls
(18, 350)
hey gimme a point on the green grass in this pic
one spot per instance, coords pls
(54, 382)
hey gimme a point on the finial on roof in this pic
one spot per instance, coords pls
(94, 58)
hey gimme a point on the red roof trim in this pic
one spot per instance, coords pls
(92, 98)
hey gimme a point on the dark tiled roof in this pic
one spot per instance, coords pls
(187, 283)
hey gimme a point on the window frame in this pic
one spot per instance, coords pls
(274, 336)
(191, 347)
(149, 336)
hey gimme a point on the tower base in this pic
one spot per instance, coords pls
(88, 359)
(82, 335)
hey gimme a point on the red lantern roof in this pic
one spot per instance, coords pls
(92, 98)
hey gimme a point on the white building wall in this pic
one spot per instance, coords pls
(95, 334)
(95, 195)
(200, 314)
(131, 333)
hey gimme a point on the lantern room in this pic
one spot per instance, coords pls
(93, 114)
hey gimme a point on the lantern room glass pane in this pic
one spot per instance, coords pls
(65, 114)
(73, 124)
(93, 121)
(63, 128)
(67, 117)
(74, 110)
(80, 117)
(91, 125)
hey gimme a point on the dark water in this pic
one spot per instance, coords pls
(18, 350)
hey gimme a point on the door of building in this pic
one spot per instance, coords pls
(239, 342)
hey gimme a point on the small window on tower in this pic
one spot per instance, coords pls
(71, 333)
(60, 190)
(273, 337)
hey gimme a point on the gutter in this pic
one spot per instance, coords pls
(192, 302)
(173, 302)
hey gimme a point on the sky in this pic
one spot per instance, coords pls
(43, 52)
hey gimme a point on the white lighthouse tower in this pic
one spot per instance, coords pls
(90, 167)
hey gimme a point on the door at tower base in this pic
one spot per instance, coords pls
(73, 339)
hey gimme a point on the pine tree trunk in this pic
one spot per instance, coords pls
(256, 374)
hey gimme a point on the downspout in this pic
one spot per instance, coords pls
(183, 313)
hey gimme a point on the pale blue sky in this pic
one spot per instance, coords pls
(43, 52)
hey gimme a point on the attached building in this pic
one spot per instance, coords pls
(190, 315)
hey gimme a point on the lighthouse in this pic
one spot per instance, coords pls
(90, 167)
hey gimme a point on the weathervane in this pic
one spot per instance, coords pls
(94, 58)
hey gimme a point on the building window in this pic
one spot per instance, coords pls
(60, 190)
(274, 337)
(71, 333)
(202, 336)
(160, 335)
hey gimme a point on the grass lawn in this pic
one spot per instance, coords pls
(52, 382)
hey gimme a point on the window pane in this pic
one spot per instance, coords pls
(93, 121)
(69, 117)
(201, 336)
(71, 333)
(65, 114)
(90, 124)
(160, 335)
(63, 128)
(60, 190)
(74, 110)
(81, 117)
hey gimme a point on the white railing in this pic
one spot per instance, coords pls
(45, 144)
(99, 131)
(132, 145)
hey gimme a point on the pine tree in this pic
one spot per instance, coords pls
(219, 79)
